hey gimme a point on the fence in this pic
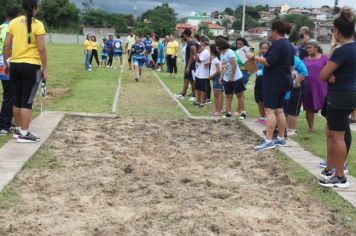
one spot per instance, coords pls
(72, 38)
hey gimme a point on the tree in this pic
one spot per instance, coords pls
(298, 21)
(203, 29)
(142, 29)
(94, 18)
(59, 13)
(4, 4)
(162, 19)
(229, 11)
(250, 22)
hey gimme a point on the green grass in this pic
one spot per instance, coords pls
(314, 142)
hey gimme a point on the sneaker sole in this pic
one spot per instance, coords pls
(281, 145)
(27, 141)
(267, 148)
(340, 186)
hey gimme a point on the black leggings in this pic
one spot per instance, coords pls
(111, 56)
(94, 53)
(172, 61)
(25, 79)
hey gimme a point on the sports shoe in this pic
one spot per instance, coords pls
(323, 165)
(16, 134)
(243, 115)
(201, 105)
(336, 182)
(196, 103)
(28, 138)
(180, 95)
(227, 115)
(280, 142)
(192, 99)
(291, 132)
(12, 127)
(159, 70)
(265, 145)
(4, 132)
(326, 174)
(261, 121)
(90, 69)
(207, 101)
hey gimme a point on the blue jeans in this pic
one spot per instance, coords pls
(87, 60)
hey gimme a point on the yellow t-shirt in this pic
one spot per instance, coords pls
(22, 51)
(172, 48)
(154, 44)
(130, 41)
(95, 45)
(88, 45)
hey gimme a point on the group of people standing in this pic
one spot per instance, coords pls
(23, 66)
(111, 52)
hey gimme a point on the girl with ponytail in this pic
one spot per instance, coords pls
(28, 65)
(340, 73)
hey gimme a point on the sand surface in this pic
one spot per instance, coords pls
(153, 177)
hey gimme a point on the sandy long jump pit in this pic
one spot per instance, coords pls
(153, 177)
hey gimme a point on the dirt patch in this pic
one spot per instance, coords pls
(150, 177)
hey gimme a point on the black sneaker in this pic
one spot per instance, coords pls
(227, 115)
(196, 103)
(243, 115)
(327, 174)
(207, 101)
(336, 182)
(201, 105)
(12, 127)
(4, 132)
(28, 138)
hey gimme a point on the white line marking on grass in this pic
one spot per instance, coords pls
(115, 104)
(173, 96)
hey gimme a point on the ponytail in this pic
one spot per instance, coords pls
(29, 22)
(29, 5)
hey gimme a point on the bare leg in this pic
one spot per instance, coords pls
(192, 85)
(261, 109)
(271, 123)
(292, 122)
(229, 98)
(17, 116)
(25, 118)
(281, 122)
(338, 146)
(310, 120)
(240, 102)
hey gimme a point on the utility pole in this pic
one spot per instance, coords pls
(135, 9)
(243, 19)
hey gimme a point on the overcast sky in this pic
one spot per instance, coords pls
(184, 7)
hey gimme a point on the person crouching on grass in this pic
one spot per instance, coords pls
(258, 90)
(28, 65)
(201, 75)
(277, 81)
(138, 51)
(215, 76)
(231, 74)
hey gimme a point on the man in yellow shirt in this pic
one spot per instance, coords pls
(172, 49)
(88, 48)
(130, 40)
(28, 66)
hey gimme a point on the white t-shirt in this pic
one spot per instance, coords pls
(226, 65)
(202, 71)
(215, 63)
(184, 48)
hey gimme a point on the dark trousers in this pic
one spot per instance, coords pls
(168, 64)
(172, 62)
(7, 105)
(208, 90)
(94, 54)
(111, 56)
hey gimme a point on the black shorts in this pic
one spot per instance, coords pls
(274, 94)
(337, 120)
(25, 79)
(155, 55)
(201, 84)
(259, 89)
(235, 87)
(295, 102)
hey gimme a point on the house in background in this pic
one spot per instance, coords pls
(196, 18)
(180, 27)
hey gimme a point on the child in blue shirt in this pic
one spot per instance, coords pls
(104, 53)
(138, 51)
(118, 52)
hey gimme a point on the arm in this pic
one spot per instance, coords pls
(328, 71)
(191, 58)
(233, 69)
(218, 71)
(43, 54)
(7, 50)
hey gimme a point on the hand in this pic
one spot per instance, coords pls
(7, 69)
(250, 56)
(44, 75)
(331, 79)
(231, 79)
(333, 40)
(221, 81)
(187, 70)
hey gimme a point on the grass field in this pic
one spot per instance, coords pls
(70, 88)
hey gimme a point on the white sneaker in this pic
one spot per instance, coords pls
(90, 69)
(180, 96)
(159, 70)
(291, 132)
(192, 99)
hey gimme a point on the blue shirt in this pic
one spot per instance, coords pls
(103, 49)
(109, 45)
(117, 46)
(137, 50)
(345, 75)
(300, 67)
(161, 50)
(260, 69)
(280, 57)
(148, 44)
